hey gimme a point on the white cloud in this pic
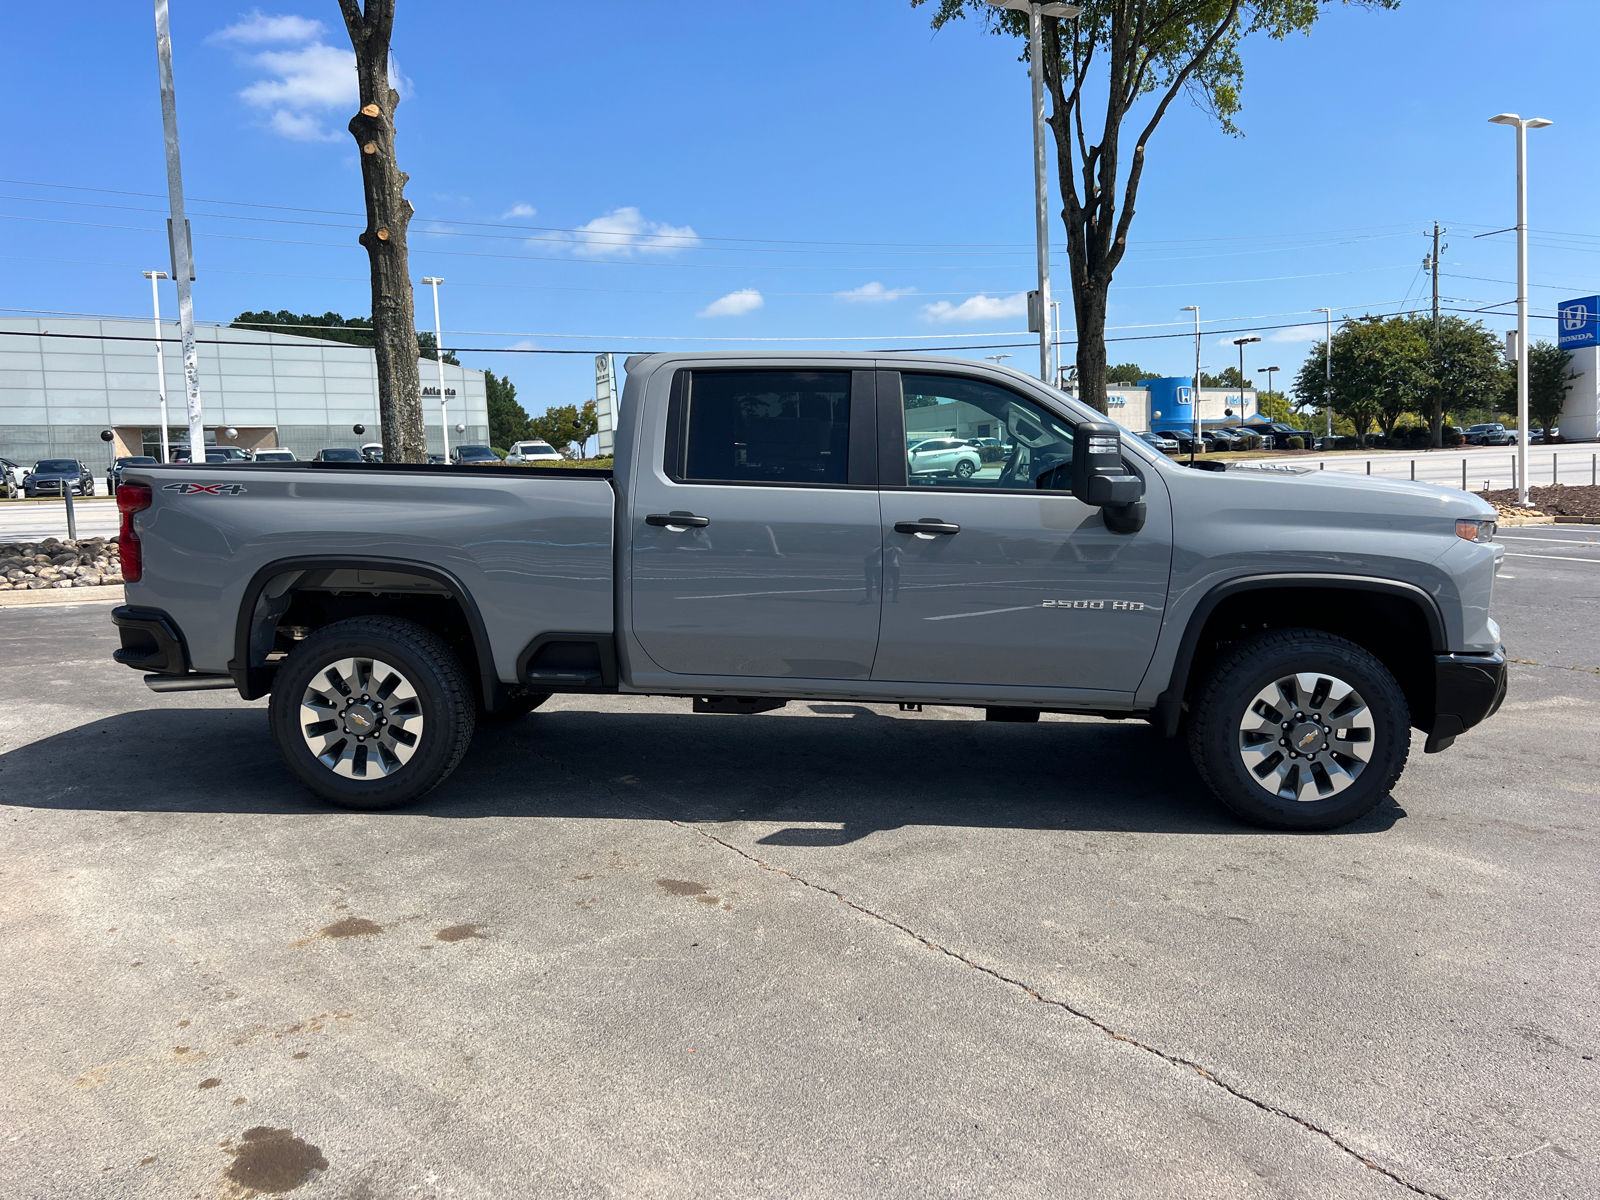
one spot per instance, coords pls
(520, 209)
(624, 230)
(305, 80)
(314, 76)
(978, 308)
(1297, 334)
(259, 29)
(301, 127)
(873, 293)
(734, 304)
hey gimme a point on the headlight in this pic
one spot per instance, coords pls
(1481, 529)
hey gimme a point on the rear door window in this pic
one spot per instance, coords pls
(764, 427)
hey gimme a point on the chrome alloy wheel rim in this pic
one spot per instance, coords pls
(361, 718)
(1306, 736)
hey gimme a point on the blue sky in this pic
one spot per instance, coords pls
(716, 175)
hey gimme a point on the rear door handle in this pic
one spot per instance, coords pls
(926, 528)
(677, 520)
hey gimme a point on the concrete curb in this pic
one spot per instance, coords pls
(1577, 520)
(1505, 521)
(102, 594)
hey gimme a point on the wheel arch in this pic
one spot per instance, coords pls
(260, 612)
(1383, 616)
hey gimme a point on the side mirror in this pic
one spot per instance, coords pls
(1098, 476)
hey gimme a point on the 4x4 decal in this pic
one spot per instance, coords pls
(205, 489)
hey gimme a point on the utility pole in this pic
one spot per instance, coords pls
(1327, 374)
(1431, 265)
(161, 362)
(178, 233)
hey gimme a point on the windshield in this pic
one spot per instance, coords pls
(476, 452)
(341, 455)
(58, 466)
(136, 461)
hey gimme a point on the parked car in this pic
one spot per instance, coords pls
(1223, 438)
(990, 449)
(214, 454)
(1301, 623)
(114, 476)
(11, 474)
(1489, 433)
(527, 452)
(465, 456)
(53, 476)
(372, 452)
(1185, 438)
(437, 460)
(338, 454)
(1275, 435)
(935, 457)
(1160, 441)
(275, 455)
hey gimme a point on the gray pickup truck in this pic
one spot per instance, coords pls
(762, 539)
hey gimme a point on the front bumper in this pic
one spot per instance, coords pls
(1467, 689)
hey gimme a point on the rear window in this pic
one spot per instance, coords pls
(341, 456)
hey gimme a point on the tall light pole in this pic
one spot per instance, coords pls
(1041, 189)
(438, 349)
(1195, 398)
(996, 359)
(178, 234)
(1327, 372)
(161, 362)
(1268, 372)
(1523, 124)
(1242, 343)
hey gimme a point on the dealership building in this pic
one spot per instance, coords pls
(63, 381)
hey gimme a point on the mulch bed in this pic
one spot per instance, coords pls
(1557, 500)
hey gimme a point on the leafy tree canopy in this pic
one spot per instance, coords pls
(508, 420)
(1128, 374)
(566, 424)
(332, 327)
(1549, 381)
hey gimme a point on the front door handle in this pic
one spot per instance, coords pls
(926, 528)
(677, 521)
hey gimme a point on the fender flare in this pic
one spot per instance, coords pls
(1169, 705)
(255, 681)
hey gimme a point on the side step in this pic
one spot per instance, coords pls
(188, 683)
(736, 704)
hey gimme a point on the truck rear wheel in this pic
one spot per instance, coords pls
(372, 712)
(1298, 729)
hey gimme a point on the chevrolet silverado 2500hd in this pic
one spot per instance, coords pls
(763, 538)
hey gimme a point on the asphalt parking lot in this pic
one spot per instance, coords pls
(836, 950)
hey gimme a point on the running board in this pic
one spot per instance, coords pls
(188, 683)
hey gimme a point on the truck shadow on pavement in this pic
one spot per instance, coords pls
(833, 776)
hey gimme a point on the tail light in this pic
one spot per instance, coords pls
(131, 498)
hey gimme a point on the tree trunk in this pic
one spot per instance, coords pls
(394, 325)
(1436, 422)
(1089, 306)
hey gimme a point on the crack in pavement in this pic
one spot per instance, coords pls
(1528, 662)
(1032, 992)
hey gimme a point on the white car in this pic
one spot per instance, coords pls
(943, 456)
(275, 455)
(528, 452)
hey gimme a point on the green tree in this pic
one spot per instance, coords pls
(567, 424)
(1127, 51)
(1380, 372)
(331, 327)
(1128, 374)
(1549, 381)
(1464, 369)
(508, 420)
(1229, 378)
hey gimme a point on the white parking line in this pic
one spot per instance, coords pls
(1522, 537)
(1557, 557)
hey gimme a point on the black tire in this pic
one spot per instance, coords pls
(519, 706)
(444, 699)
(965, 469)
(1233, 685)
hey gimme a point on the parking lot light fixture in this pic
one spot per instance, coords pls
(161, 365)
(1242, 343)
(1522, 124)
(438, 351)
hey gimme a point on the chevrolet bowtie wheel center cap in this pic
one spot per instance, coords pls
(361, 718)
(1306, 736)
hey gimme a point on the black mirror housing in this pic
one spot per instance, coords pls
(1098, 476)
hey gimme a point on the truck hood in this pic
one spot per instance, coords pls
(1401, 495)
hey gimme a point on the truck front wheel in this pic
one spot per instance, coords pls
(1298, 729)
(372, 712)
